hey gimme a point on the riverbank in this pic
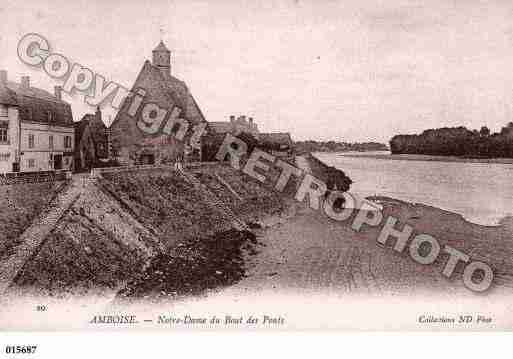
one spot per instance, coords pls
(296, 255)
(411, 157)
(293, 246)
(480, 192)
(311, 252)
(308, 267)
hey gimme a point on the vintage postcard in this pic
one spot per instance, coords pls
(256, 165)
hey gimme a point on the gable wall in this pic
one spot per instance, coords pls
(128, 141)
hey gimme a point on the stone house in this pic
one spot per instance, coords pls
(277, 143)
(91, 142)
(242, 127)
(36, 128)
(235, 126)
(157, 86)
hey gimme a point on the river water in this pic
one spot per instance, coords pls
(481, 192)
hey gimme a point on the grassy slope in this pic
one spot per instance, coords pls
(194, 266)
(95, 245)
(77, 257)
(257, 200)
(202, 251)
(209, 253)
(19, 205)
(166, 202)
(85, 251)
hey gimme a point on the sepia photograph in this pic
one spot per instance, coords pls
(234, 166)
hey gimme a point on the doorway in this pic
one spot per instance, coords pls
(57, 162)
(147, 159)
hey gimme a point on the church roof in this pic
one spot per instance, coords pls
(161, 47)
(178, 89)
(175, 90)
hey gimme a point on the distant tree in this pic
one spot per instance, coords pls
(508, 129)
(457, 141)
(484, 131)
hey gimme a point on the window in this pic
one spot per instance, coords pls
(3, 111)
(5, 156)
(4, 134)
(49, 116)
(31, 140)
(50, 141)
(31, 163)
(67, 141)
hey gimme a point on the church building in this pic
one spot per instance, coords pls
(131, 145)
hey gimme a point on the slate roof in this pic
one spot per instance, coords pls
(31, 92)
(220, 126)
(161, 47)
(180, 87)
(282, 138)
(175, 89)
(7, 96)
(34, 105)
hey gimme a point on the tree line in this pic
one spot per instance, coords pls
(335, 146)
(457, 141)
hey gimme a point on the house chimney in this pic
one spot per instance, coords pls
(3, 76)
(98, 113)
(243, 118)
(251, 120)
(58, 92)
(232, 118)
(25, 82)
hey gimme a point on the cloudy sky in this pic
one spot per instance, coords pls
(342, 70)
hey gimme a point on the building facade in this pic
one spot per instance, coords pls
(131, 144)
(277, 143)
(235, 126)
(91, 142)
(36, 128)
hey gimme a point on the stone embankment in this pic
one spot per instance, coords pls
(31, 239)
(105, 230)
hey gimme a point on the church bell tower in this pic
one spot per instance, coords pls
(162, 58)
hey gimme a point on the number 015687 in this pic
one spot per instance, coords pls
(20, 349)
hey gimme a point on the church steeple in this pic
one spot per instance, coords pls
(162, 58)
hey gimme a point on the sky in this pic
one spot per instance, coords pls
(325, 70)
